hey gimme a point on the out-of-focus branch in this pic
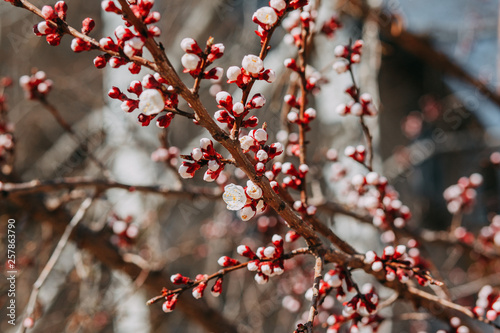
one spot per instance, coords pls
(98, 244)
(67, 127)
(30, 308)
(391, 26)
(38, 186)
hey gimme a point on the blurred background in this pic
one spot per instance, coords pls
(431, 67)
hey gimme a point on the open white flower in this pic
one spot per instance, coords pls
(247, 212)
(253, 191)
(252, 64)
(246, 142)
(151, 102)
(266, 16)
(234, 196)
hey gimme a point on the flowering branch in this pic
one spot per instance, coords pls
(201, 280)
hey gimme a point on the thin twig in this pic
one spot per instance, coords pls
(30, 307)
(37, 186)
(67, 127)
(225, 271)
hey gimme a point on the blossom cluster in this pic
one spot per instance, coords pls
(462, 196)
(79, 44)
(205, 155)
(267, 17)
(363, 107)
(247, 200)
(129, 43)
(124, 230)
(255, 142)
(49, 28)
(488, 303)
(195, 60)
(296, 20)
(398, 264)
(347, 55)
(154, 96)
(252, 68)
(266, 261)
(230, 110)
(372, 192)
(360, 311)
(35, 86)
(489, 236)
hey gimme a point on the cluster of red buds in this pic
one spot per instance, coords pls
(266, 261)
(357, 153)
(294, 116)
(50, 27)
(166, 155)
(348, 55)
(364, 304)
(255, 141)
(124, 230)
(488, 303)
(195, 60)
(252, 68)
(79, 44)
(200, 284)
(35, 86)
(359, 313)
(455, 327)
(334, 278)
(398, 264)
(128, 43)
(489, 236)
(205, 155)
(331, 26)
(462, 196)
(364, 107)
(6, 130)
(247, 200)
(297, 20)
(372, 192)
(230, 111)
(154, 96)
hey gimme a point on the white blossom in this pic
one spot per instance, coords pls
(253, 191)
(233, 72)
(279, 5)
(265, 15)
(234, 196)
(252, 64)
(246, 213)
(151, 102)
(190, 61)
(246, 142)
